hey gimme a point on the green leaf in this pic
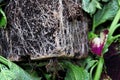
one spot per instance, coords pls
(20, 73)
(106, 13)
(90, 6)
(119, 2)
(75, 72)
(48, 76)
(3, 19)
(33, 74)
(6, 74)
(16, 73)
(90, 63)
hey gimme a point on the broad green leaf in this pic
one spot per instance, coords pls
(3, 67)
(16, 73)
(70, 75)
(7, 75)
(106, 13)
(75, 72)
(119, 2)
(3, 19)
(20, 73)
(90, 6)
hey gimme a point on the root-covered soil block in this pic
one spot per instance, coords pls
(44, 29)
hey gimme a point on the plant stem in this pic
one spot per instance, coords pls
(3, 60)
(99, 68)
(117, 36)
(91, 70)
(113, 30)
(93, 29)
(114, 23)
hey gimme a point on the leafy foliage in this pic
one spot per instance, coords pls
(110, 11)
(89, 63)
(106, 13)
(75, 72)
(6, 74)
(10, 71)
(90, 6)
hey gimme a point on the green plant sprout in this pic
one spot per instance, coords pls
(109, 39)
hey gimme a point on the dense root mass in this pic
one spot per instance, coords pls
(44, 29)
